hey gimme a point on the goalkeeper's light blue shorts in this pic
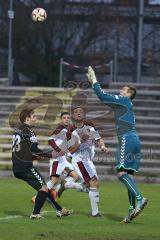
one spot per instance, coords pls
(128, 152)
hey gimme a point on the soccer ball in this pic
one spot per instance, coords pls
(39, 15)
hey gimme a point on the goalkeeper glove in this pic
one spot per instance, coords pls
(91, 75)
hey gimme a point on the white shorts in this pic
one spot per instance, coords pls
(85, 169)
(57, 167)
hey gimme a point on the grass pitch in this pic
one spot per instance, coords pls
(15, 208)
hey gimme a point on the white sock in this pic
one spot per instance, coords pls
(70, 183)
(83, 188)
(50, 184)
(94, 199)
(75, 185)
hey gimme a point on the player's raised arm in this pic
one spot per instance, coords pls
(105, 97)
(96, 136)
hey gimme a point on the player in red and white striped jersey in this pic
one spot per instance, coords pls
(59, 141)
(82, 159)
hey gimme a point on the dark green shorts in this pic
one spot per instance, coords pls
(32, 177)
(125, 170)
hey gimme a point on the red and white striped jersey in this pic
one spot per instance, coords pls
(88, 134)
(58, 139)
(62, 138)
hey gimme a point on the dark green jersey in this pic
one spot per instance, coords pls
(25, 146)
(122, 107)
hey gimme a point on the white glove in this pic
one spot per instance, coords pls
(91, 75)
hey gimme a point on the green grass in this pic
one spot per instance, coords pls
(15, 198)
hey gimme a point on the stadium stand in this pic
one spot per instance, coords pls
(147, 112)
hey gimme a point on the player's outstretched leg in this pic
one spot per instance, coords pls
(64, 212)
(131, 186)
(69, 183)
(140, 207)
(131, 210)
(60, 212)
(42, 195)
(39, 202)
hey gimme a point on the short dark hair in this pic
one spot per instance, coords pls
(64, 113)
(78, 107)
(132, 90)
(24, 114)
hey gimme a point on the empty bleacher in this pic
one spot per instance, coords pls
(147, 110)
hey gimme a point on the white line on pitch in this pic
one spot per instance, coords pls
(44, 212)
(10, 217)
(19, 216)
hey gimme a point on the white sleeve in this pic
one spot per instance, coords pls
(95, 134)
(74, 139)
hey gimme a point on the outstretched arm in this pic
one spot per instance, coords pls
(104, 97)
(39, 154)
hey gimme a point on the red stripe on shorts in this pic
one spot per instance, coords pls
(84, 172)
(54, 168)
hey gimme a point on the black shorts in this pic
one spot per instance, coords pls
(32, 177)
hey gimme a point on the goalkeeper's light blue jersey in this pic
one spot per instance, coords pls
(122, 107)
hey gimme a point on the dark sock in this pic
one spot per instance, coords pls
(53, 202)
(40, 199)
(132, 200)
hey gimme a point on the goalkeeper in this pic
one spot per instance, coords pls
(128, 151)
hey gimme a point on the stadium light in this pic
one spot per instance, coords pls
(10, 60)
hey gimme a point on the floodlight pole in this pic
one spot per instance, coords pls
(111, 70)
(10, 60)
(61, 72)
(115, 66)
(139, 39)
